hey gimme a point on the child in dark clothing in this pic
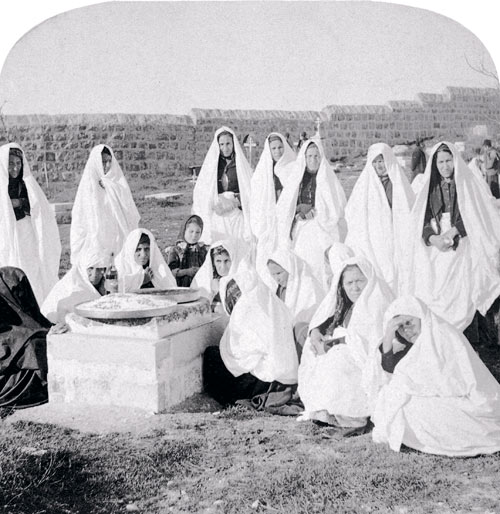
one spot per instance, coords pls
(187, 255)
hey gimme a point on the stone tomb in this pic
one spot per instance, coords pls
(149, 363)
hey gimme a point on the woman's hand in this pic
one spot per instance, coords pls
(390, 333)
(59, 328)
(16, 202)
(442, 242)
(302, 210)
(317, 340)
(148, 275)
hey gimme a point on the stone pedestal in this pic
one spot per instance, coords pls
(151, 363)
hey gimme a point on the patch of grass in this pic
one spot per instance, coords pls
(84, 473)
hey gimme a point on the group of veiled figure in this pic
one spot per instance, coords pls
(352, 310)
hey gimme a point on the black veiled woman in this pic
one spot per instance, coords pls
(23, 349)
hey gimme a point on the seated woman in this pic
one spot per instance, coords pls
(186, 257)
(141, 265)
(82, 283)
(257, 359)
(29, 237)
(23, 349)
(454, 241)
(295, 285)
(104, 209)
(223, 258)
(438, 396)
(310, 211)
(221, 195)
(377, 213)
(334, 370)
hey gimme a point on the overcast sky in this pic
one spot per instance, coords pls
(167, 57)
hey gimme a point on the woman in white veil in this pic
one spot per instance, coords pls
(29, 236)
(377, 213)
(104, 208)
(221, 195)
(310, 210)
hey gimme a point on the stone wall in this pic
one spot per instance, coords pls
(147, 145)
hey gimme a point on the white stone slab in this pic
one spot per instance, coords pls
(151, 366)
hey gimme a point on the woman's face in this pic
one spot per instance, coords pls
(313, 159)
(95, 275)
(379, 165)
(226, 145)
(276, 147)
(192, 233)
(15, 166)
(444, 164)
(353, 282)
(279, 274)
(106, 162)
(222, 263)
(141, 255)
(410, 328)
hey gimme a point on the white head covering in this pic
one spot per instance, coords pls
(373, 229)
(259, 336)
(106, 213)
(443, 375)
(131, 274)
(204, 279)
(303, 291)
(75, 287)
(470, 275)
(339, 381)
(42, 266)
(263, 200)
(205, 193)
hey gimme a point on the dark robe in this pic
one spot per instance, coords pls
(387, 184)
(491, 166)
(278, 186)
(185, 256)
(17, 191)
(307, 190)
(442, 198)
(23, 350)
(227, 178)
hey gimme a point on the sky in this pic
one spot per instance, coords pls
(168, 57)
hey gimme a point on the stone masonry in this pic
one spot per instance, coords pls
(146, 145)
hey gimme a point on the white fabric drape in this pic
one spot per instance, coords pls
(311, 237)
(236, 222)
(259, 336)
(373, 229)
(204, 279)
(32, 243)
(263, 219)
(131, 274)
(339, 381)
(303, 291)
(454, 284)
(106, 213)
(441, 398)
(75, 287)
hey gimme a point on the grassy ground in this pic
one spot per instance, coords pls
(199, 459)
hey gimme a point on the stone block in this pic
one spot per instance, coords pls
(151, 364)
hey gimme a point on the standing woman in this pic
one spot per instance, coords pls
(29, 237)
(104, 208)
(452, 263)
(23, 347)
(267, 184)
(221, 196)
(310, 210)
(377, 213)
